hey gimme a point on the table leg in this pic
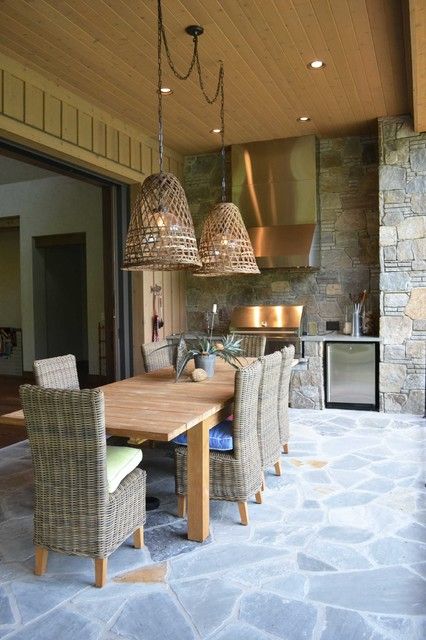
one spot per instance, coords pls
(198, 482)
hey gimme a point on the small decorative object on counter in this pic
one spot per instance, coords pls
(347, 325)
(198, 375)
(312, 328)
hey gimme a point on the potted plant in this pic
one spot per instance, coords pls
(207, 350)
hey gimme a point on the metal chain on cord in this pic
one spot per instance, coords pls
(160, 95)
(195, 61)
(222, 133)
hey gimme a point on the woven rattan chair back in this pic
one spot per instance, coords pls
(246, 397)
(66, 430)
(234, 475)
(287, 356)
(73, 511)
(267, 421)
(156, 355)
(252, 346)
(56, 373)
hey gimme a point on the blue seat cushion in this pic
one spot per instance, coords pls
(220, 437)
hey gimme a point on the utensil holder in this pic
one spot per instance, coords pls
(356, 324)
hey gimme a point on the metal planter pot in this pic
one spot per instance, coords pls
(205, 362)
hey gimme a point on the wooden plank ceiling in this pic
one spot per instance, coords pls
(105, 51)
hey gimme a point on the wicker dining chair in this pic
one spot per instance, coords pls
(287, 356)
(56, 373)
(79, 509)
(267, 414)
(252, 346)
(235, 475)
(155, 355)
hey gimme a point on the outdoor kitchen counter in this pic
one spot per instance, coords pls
(307, 390)
(339, 337)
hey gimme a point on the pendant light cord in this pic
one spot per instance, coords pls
(159, 85)
(195, 62)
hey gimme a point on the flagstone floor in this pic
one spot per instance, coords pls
(336, 552)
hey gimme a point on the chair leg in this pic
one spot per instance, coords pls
(181, 506)
(262, 486)
(138, 542)
(277, 467)
(40, 563)
(259, 497)
(285, 447)
(242, 506)
(101, 566)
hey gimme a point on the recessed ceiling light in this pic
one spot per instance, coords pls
(166, 91)
(316, 64)
(303, 119)
(216, 130)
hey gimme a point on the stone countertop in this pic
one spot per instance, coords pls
(339, 337)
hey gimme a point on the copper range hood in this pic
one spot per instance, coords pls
(274, 184)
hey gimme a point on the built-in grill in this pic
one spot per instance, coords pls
(280, 324)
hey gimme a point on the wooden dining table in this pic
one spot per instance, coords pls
(154, 406)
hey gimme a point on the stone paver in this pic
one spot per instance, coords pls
(337, 550)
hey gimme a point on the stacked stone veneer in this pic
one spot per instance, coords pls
(402, 202)
(349, 237)
(307, 379)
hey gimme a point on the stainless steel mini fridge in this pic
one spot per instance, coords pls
(351, 375)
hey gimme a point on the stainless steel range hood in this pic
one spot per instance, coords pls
(274, 184)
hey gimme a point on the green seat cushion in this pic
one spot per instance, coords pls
(120, 462)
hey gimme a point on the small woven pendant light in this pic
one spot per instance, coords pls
(225, 246)
(161, 232)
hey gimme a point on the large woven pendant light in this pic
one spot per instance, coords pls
(161, 233)
(225, 247)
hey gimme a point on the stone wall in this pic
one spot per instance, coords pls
(402, 202)
(307, 379)
(349, 237)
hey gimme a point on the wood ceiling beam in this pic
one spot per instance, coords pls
(418, 61)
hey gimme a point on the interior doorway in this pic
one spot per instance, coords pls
(60, 298)
(53, 197)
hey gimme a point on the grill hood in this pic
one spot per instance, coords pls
(274, 184)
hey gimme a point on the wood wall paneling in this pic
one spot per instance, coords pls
(112, 143)
(34, 107)
(135, 155)
(52, 115)
(13, 98)
(124, 149)
(85, 130)
(69, 123)
(147, 162)
(99, 137)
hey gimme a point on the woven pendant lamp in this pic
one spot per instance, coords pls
(161, 232)
(225, 247)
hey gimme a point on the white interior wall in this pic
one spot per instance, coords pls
(10, 288)
(52, 206)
